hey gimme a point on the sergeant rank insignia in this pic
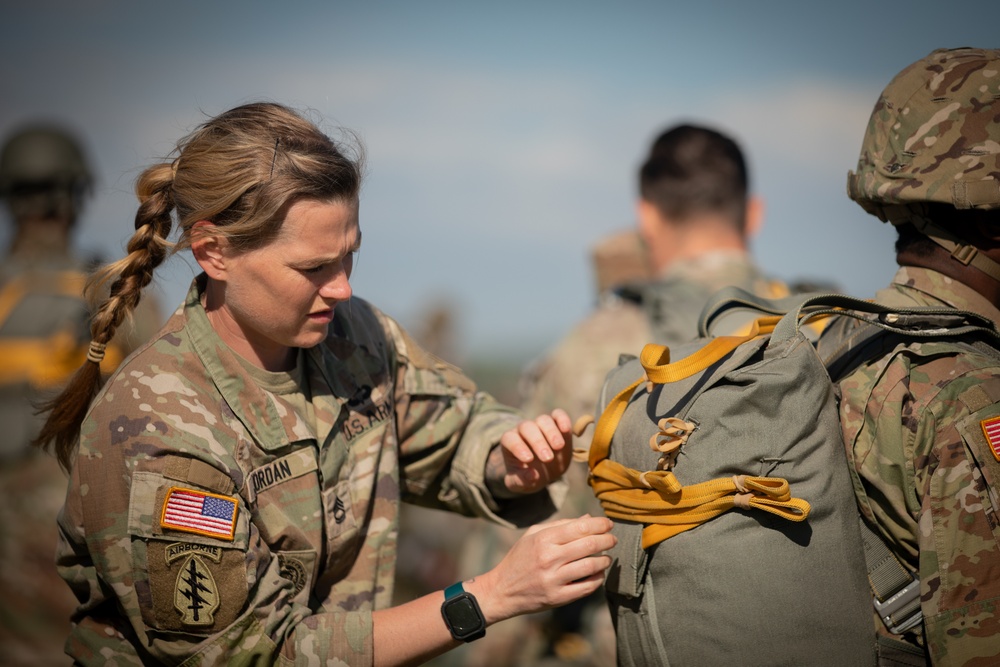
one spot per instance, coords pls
(991, 427)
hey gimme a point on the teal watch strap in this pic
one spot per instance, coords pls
(462, 614)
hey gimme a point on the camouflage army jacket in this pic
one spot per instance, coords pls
(207, 523)
(915, 422)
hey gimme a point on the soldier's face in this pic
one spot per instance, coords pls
(282, 296)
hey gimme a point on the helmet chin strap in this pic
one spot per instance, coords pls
(960, 250)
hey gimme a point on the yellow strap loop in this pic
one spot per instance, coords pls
(656, 497)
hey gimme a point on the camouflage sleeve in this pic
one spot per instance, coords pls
(153, 588)
(446, 430)
(196, 599)
(959, 522)
(932, 489)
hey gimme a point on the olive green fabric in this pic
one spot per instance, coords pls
(747, 587)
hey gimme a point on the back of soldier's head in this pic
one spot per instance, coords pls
(692, 171)
(43, 173)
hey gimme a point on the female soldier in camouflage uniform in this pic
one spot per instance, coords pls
(234, 495)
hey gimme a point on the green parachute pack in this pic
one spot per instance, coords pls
(722, 465)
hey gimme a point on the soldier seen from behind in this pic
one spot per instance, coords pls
(696, 217)
(921, 420)
(45, 179)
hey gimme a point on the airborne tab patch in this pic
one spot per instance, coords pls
(199, 512)
(991, 427)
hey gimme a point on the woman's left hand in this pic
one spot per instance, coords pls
(537, 452)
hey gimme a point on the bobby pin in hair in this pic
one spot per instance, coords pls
(275, 156)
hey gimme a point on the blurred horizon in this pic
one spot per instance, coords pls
(501, 141)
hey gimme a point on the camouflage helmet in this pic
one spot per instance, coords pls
(43, 168)
(934, 136)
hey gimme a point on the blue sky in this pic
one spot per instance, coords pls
(502, 141)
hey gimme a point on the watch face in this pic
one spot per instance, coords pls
(463, 617)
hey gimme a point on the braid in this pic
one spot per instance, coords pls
(147, 249)
(239, 171)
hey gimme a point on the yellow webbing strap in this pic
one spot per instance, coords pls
(45, 362)
(656, 497)
(48, 362)
(67, 283)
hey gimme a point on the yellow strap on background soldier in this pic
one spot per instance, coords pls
(48, 362)
(66, 283)
(45, 362)
(657, 498)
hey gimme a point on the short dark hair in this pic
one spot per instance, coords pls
(692, 170)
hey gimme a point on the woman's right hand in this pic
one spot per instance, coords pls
(551, 565)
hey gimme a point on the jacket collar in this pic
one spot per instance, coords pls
(269, 419)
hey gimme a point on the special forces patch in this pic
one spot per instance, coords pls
(195, 594)
(991, 427)
(196, 588)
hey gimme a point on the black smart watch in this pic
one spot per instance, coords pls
(462, 614)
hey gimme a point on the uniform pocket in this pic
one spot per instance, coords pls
(342, 537)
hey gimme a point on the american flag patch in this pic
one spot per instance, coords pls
(991, 427)
(199, 512)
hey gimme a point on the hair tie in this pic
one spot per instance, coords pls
(96, 351)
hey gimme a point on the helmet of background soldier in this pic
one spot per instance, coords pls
(621, 258)
(43, 173)
(933, 137)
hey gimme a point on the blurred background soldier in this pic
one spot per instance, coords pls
(44, 335)
(695, 219)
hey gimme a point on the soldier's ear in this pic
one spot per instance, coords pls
(754, 217)
(649, 220)
(209, 249)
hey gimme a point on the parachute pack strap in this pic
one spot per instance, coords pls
(919, 322)
(655, 359)
(657, 499)
(604, 430)
(733, 298)
(896, 592)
